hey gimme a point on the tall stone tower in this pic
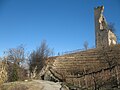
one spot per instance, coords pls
(104, 36)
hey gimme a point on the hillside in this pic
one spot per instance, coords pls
(86, 68)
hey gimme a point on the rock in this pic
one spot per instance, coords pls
(31, 85)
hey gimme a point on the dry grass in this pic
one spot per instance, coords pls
(14, 86)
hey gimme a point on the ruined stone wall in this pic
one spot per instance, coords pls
(112, 38)
(104, 37)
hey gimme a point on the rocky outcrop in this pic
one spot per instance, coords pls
(31, 85)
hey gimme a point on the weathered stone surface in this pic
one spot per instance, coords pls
(104, 36)
(31, 85)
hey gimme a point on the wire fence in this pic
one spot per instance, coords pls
(73, 51)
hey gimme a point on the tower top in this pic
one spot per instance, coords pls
(99, 7)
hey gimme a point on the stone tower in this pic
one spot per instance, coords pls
(104, 36)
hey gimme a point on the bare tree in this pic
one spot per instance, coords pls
(111, 27)
(16, 55)
(15, 58)
(86, 45)
(38, 57)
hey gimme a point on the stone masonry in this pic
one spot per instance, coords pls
(104, 36)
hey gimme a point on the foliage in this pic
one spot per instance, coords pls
(15, 58)
(16, 72)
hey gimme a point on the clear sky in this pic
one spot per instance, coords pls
(64, 24)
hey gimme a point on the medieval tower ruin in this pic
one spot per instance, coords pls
(104, 36)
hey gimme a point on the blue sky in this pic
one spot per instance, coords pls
(64, 24)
